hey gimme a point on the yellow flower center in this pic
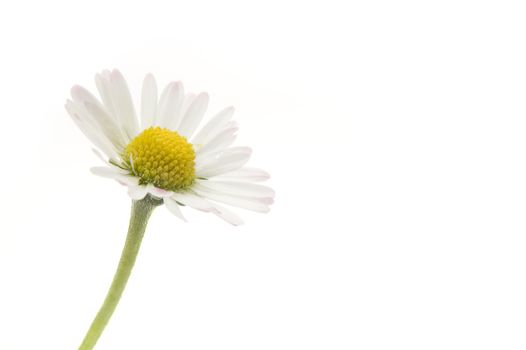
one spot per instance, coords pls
(161, 157)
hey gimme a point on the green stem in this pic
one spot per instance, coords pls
(141, 211)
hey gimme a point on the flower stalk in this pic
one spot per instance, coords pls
(140, 213)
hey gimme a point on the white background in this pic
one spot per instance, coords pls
(395, 136)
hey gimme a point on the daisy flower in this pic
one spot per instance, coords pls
(165, 155)
(166, 159)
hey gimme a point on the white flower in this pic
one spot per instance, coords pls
(165, 157)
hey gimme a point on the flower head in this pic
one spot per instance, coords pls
(165, 157)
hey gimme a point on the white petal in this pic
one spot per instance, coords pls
(245, 203)
(100, 156)
(214, 125)
(81, 95)
(103, 85)
(193, 115)
(245, 189)
(204, 159)
(267, 201)
(120, 175)
(158, 192)
(230, 124)
(223, 164)
(245, 174)
(107, 124)
(227, 215)
(187, 101)
(123, 104)
(105, 161)
(137, 192)
(110, 172)
(148, 101)
(194, 201)
(173, 207)
(219, 142)
(170, 106)
(91, 131)
(128, 180)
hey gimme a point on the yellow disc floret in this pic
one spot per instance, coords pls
(161, 157)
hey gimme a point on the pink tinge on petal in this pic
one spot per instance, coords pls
(159, 192)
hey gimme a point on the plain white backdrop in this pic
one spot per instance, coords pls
(395, 136)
